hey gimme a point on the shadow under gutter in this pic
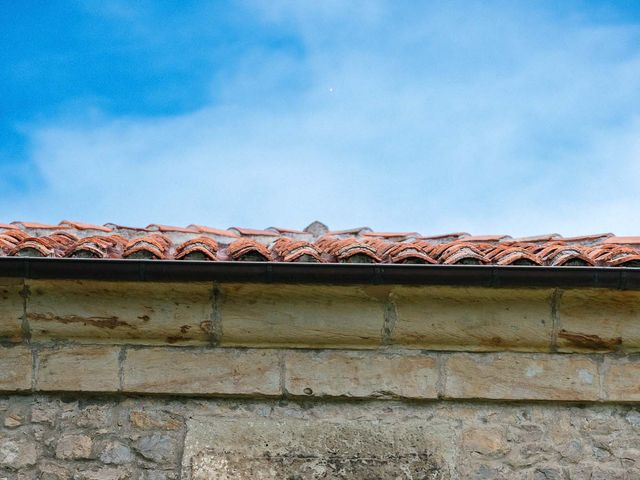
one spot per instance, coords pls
(619, 278)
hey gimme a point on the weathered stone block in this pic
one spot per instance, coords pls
(11, 309)
(513, 376)
(477, 319)
(158, 448)
(120, 312)
(79, 369)
(360, 374)
(270, 448)
(194, 371)
(301, 316)
(622, 379)
(74, 447)
(104, 473)
(597, 320)
(485, 442)
(15, 368)
(153, 420)
(17, 453)
(116, 453)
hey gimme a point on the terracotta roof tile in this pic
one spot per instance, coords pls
(252, 231)
(49, 246)
(410, 252)
(288, 250)
(39, 226)
(197, 242)
(512, 255)
(105, 246)
(459, 253)
(444, 237)
(391, 235)
(534, 239)
(587, 239)
(348, 250)
(154, 227)
(246, 249)
(485, 238)
(559, 255)
(622, 240)
(149, 247)
(214, 231)
(199, 248)
(84, 226)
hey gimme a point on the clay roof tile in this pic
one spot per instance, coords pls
(84, 226)
(247, 249)
(287, 250)
(199, 248)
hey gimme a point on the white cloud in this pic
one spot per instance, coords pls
(479, 119)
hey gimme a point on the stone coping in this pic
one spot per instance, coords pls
(207, 314)
(347, 374)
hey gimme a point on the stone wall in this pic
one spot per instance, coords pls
(126, 380)
(55, 438)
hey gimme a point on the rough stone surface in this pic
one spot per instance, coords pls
(120, 312)
(74, 447)
(89, 369)
(622, 379)
(11, 309)
(591, 321)
(15, 368)
(17, 453)
(286, 315)
(228, 371)
(74, 438)
(361, 374)
(157, 447)
(116, 453)
(508, 376)
(479, 319)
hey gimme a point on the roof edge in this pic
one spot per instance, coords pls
(620, 278)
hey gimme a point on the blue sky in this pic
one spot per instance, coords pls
(488, 117)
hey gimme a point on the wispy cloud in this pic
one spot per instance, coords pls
(487, 117)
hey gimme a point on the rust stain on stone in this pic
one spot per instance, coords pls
(594, 342)
(206, 326)
(110, 323)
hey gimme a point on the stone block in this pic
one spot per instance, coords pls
(74, 447)
(11, 309)
(15, 368)
(622, 379)
(78, 369)
(202, 372)
(153, 420)
(301, 315)
(599, 320)
(360, 374)
(16, 454)
(266, 448)
(120, 312)
(514, 376)
(472, 319)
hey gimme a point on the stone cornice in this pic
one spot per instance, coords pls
(307, 340)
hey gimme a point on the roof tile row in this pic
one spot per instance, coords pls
(315, 244)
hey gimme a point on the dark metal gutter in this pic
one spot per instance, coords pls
(320, 273)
